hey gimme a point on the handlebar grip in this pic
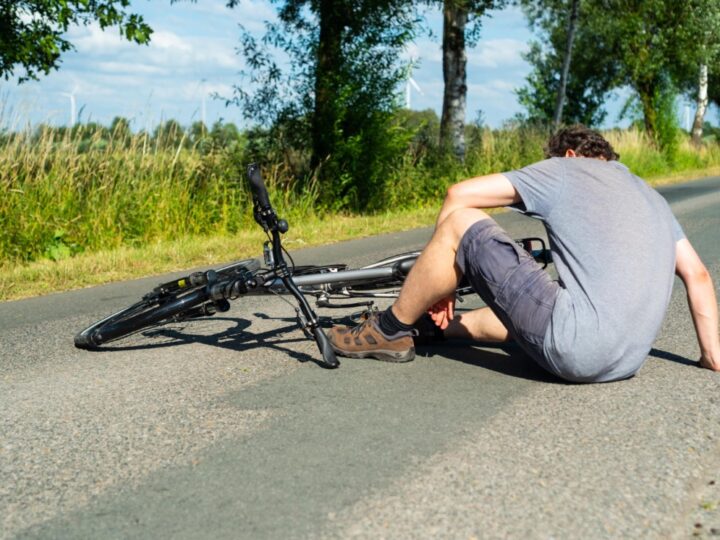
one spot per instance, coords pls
(328, 354)
(257, 185)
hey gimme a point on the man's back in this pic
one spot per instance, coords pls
(613, 241)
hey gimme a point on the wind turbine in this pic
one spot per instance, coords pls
(203, 95)
(410, 82)
(203, 111)
(73, 106)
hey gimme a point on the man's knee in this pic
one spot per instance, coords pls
(459, 221)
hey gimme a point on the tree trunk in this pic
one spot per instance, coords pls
(702, 103)
(646, 92)
(329, 56)
(452, 125)
(572, 25)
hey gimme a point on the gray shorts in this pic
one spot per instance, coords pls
(511, 283)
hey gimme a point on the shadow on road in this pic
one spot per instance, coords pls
(664, 355)
(513, 361)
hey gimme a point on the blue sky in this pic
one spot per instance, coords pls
(193, 56)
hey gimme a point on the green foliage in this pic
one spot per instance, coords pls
(667, 126)
(593, 70)
(701, 31)
(32, 32)
(667, 131)
(648, 45)
(330, 114)
(81, 190)
(652, 44)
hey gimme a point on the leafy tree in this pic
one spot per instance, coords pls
(225, 134)
(567, 60)
(589, 77)
(198, 131)
(702, 58)
(650, 43)
(340, 89)
(31, 31)
(642, 44)
(169, 134)
(120, 130)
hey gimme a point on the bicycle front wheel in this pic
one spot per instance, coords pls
(172, 301)
(137, 317)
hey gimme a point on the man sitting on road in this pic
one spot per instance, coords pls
(615, 244)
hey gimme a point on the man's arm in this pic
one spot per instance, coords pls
(702, 302)
(488, 191)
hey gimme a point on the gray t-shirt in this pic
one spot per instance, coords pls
(613, 241)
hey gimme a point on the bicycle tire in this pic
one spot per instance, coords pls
(137, 317)
(156, 309)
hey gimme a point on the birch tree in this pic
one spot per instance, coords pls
(702, 103)
(457, 15)
(703, 31)
(567, 59)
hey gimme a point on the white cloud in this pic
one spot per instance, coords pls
(129, 67)
(488, 53)
(493, 53)
(94, 40)
(493, 89)
(167, 54)
(169, 41)
(424, 51)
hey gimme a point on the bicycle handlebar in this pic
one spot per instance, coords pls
(265, 216)
(257, 185)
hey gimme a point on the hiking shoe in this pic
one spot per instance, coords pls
(367, 340)
(426, 332)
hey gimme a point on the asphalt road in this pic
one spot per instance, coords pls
(226, 428)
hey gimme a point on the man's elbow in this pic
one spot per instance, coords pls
(698, 276)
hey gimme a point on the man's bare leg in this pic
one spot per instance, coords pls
(481, 325)
(435, 275)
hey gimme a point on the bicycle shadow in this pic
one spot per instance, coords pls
(236, 338)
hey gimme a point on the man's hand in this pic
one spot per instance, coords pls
(708, 363)
(443, 311)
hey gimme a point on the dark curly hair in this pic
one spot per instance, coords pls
(583, 141)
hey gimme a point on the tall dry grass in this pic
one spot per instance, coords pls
(61, 197)
(66, 193)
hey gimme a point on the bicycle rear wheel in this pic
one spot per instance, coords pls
(172, 301)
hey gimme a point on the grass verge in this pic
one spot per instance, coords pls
(84, 270)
